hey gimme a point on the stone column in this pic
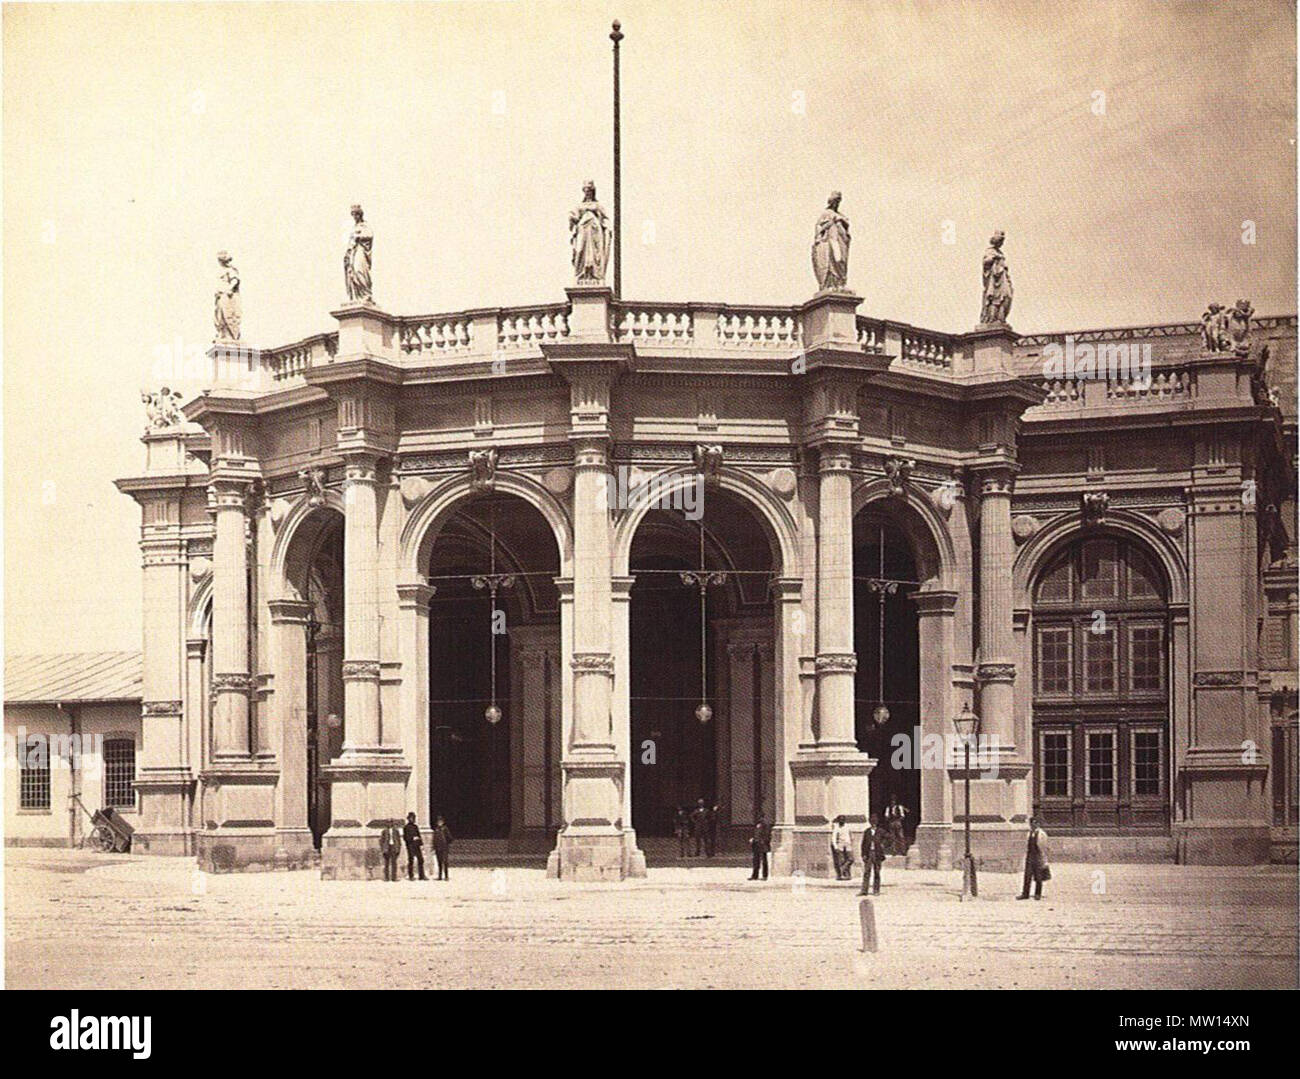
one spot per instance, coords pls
(288, 706)
(936, 634)
(361, 732)
(997, 667)
(413, 633)
(231, 684)
(836, 660)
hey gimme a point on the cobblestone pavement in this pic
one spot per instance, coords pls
(76, 919)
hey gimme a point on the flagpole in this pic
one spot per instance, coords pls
(616, 36)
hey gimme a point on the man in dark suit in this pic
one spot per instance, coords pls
(414, 847)
(873, 855)
(1035, 860)
(442, 848)
(760, 844)
(682, 830)
(390, 845)
(699, 822)
(711, 831)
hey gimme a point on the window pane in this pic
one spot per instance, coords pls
(1146, 659)
(1098, 659)
(119, 772)
(34, 774)
(1054, 587)
(1100, 570)
(1101, 764)
(1143, 579)
(1054, 660)
(1148, 766)
(1055, 764)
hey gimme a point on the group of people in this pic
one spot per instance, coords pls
(696, 831)
(392, 839)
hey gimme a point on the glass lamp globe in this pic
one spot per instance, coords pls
(704, 713)
(492, 714)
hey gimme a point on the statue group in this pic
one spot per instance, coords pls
(1227, 330)
(830, 247)
(996, 307)
(589, 235)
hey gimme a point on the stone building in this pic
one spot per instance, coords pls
(552, 571)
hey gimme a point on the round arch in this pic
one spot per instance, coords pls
(427, 517)
(199, 615)
(294, 539)
(773, 517)
(1051, 538)
(924, 526)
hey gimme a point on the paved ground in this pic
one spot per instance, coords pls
(77, 919)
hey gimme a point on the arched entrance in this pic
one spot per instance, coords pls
(494, 672)
(887, 643)
(1101, 689)
(701, 632)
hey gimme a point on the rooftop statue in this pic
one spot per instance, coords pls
(356, 262)
(830, 246)
(1227, 329)
(996, 307)
(226, 314)
(589, 233)
(162, 409)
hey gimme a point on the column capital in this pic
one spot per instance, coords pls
(934, 602)
(415, 595)
(590, 451)
(845, 662)
(996, 480)
(834, 457)
(787, 589)
(361, 467)
(593, 662)
(996, 672)
(288, 612)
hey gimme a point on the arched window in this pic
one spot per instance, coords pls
(119, 773)
(1101, 689)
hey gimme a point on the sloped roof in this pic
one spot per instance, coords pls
(73, 676)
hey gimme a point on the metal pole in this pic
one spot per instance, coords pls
(616, 36)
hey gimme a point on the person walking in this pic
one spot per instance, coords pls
(414, 847)
(390, 845)
(699, 822)
(682, 830)
(760, 844)
(1036, 868)
(873, 856)
(841, 849)
(442, 847)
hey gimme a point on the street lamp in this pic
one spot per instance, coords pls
(968, 729)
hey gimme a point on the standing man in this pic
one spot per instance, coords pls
(841, 849)
(442, 847)
(759, 845)
(682, 830)
(390, 843)
(873, 855)
(699, 823)
(711, 832)
(1035, 861)
(414, 847)
(894, 815)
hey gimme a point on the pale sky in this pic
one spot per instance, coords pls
(140, 140)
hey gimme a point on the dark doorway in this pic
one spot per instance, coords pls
(887, 642)
(665, 690)
(469, 758)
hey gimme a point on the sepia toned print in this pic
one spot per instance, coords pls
(734, 599)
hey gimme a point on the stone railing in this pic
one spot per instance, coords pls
(1062, 392)
(436, 334)
(759, 328)
(523, 328)
(292, 361)
(1162, 385)
(925, 348)
(653, 324)
(1165, 384)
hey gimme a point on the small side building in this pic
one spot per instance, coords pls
(72, 728)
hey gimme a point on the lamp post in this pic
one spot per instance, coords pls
(968, 728)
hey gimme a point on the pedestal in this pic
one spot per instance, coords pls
(367, 791)
(239, 807)
(827, 784)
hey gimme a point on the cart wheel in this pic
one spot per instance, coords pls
(106, 839)
(121, 845)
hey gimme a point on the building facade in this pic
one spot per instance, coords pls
(72, 730)
(553, 572)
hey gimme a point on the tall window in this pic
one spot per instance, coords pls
(34, 773)
(119, 773)
(1100, 639)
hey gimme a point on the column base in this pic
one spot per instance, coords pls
(367, 790)
(295, 850)
(933, 847)
(164, 843)
(828, 783)
(239, 812)
(593, 853)
(1222, 843)
(166, 796)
